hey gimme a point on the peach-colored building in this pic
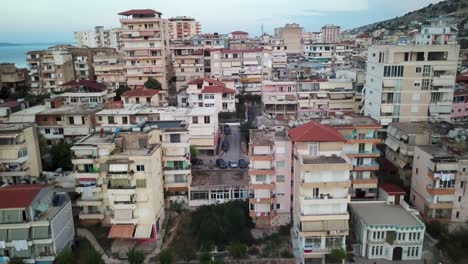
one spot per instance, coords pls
(109, 69)
(239, 35)
(145, 41)
(279, 97)
(270, 177)
(330, 33)
(439, 181)
(141, 96)
(183, 27)
(205, 92)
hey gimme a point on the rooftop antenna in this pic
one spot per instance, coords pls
(262, 29)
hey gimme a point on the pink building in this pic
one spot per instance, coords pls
(270, 177)
(239, 35)
(460, 106)
(330, 33)
(279, 97)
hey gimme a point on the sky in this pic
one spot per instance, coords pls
(56, 20)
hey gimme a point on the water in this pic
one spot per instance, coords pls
(17, 54)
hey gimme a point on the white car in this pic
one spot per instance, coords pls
(233, 164)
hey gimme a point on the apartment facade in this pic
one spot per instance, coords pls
(270, 177)
(205, 92)
(321, 184)
(86, 92)
(246, 67)
(20, 157)
(360, 147)
(460, 106)
(211, 41)
(330, 33)
(438, 184)
(388, 229)
(312, 37)
(327, 97)
(49, 69)
(291, 34)
(439, 31)
(145, 40)
(98, 38)
(37, 225)
(11, 77)
(204, 129)
(83, 59)
(410, 83)
(239, 35)
(141, 97)
(120, 180)
(279, 97)
(187, 62)
(183, 27)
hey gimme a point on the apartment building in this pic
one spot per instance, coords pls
(212, 187)
(83, 59)
(312, 37)
(49, 69)
(402, 138)
(120, 180)
(360, 147)
(187, 63)
(327, 97)
(279, 97)
(144, 38)
(270, 177)
(330, 33)
(36, 225)
(205, 92)
(291, 34)
(109, 69)
(11, 77)
(438, 184)
(388, 229)
(183, 27)
(239, 35)
(204, 129)
(328, 55)
(141, 96)
(410, 83)
(321, 184)
(247, 67)
(279, 57)
(20, 158)
(211, 41)
(459, 112)
(439, 31)
(98, 38)
(86, 92)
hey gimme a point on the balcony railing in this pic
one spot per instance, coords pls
(178, 168)
(368, 165)
(374, 151)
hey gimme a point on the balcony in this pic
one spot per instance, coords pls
(265, 157)
(262, 185)
(121, 175)
(438, 175)
(440, 191)
(91, 216)
(22, 172)
(365, 183)
(324, 199)
(262, 171)
(327, 184)
(88, 188)
(354, 139)
(130, 205)
(373, 166)
(94, 200)
(375, 153)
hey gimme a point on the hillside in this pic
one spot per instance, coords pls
(457, 9)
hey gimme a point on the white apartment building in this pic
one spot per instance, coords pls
(247, 67)
(312, 37)
(204, 129)
(330, 33)
(145, 40)
(410, 83)
(439, 31)
(321, 188)
(183, 27)
(98, 38)
(205, 92)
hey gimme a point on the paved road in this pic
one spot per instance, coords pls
(234, 152)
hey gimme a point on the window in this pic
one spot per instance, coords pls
(313, 149)
(23, 153)
(393, 71)
(175, 138)
(316, 193)
(425, 84)
(110, 120)
(457, 215)
(260, 178)
(359, 175)
(280, 178)
(459, 199)
(418, 69)
(195, 119)
(140, 167)
(71, 121)
(124, 120)
(180, 178)
(416, 170)
(207, 119)
(47, 130)
(209, 96)
(199, 195)
(278, 206)
(427, 70)
(333, 241)
(281, 164)
(200, 97)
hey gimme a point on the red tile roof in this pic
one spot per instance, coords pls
(315, 132)
(238, 32)
(85, 83)
(217, 89)
(140, 92)
(19, 196)
(204, 79)
(139, 12)
(392, 189)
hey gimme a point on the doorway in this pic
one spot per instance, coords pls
(397, 253)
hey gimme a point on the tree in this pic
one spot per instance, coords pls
(65, 257)
(61, 156)
(238, 250)
(194, 152)
(16, 261)
(152, 83)
(136, 256)
(119, 91)
(92, 256)
(337, 255)
(245, 130)
(4, 93)
(21, 91)
(166, 256)
(204, 257)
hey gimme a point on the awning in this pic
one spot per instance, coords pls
(121, 231)
(312, 226)
(336, 225)
(118, 167)
(143, 231)
(392, 144)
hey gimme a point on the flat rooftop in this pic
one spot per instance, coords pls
(70, 110)
(323, 160)
(414, 128)
(351, 122)
(13, 127)
(219, 177)
(198, 111)
(441, 151)
(385, 214)
(173, 124)
(95, 139)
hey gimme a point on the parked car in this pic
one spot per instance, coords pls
(221, 163)
(233, 164)
(243, 164)
(227, 130)
(196, 161)
(225, 146)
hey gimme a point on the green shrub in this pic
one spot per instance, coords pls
(287, 254)
(253, 251)
(238, 250)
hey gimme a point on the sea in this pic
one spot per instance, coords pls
(17, 53)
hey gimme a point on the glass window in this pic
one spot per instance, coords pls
(140, 167)
(280, 178)
(313, 149)
(281, 164)
(260, 178)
